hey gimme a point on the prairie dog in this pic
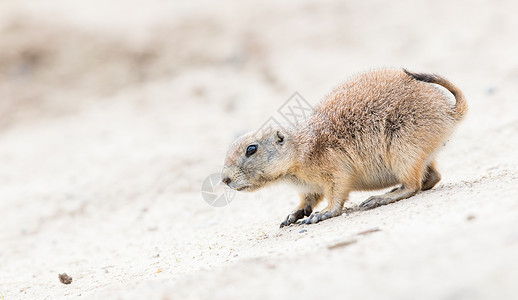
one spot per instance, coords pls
(379, 129)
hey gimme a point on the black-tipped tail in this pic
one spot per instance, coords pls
(461, 106)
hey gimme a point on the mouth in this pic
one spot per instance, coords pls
(243, 188)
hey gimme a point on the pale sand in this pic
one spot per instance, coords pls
(115, 114)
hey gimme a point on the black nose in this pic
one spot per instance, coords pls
(226, 180)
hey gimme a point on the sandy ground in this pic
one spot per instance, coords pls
(113, 114)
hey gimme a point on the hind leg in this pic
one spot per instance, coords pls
(431, 177)
(410, 185)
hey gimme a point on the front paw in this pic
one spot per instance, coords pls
(296, 215)
(321, 216)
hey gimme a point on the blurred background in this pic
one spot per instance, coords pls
(112, 113)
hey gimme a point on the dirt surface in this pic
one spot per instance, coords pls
(112, 113)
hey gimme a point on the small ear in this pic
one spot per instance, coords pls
(280, 137)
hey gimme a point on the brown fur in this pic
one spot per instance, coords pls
(379, 129)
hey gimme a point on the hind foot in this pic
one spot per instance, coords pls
(374, 201)
(431, 177)
(393, 196)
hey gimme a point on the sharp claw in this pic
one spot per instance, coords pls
(285, 222)
(313, 218)
(308, 220)
(365, 204)
(364, 207)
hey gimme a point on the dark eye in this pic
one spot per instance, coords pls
(250, 150)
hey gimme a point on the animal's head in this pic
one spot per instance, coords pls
(257, 159)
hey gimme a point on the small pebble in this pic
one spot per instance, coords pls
(303, 230)
(65, 279)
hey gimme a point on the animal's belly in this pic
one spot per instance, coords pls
(374, 179)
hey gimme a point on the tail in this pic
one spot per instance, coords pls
(461, 106)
